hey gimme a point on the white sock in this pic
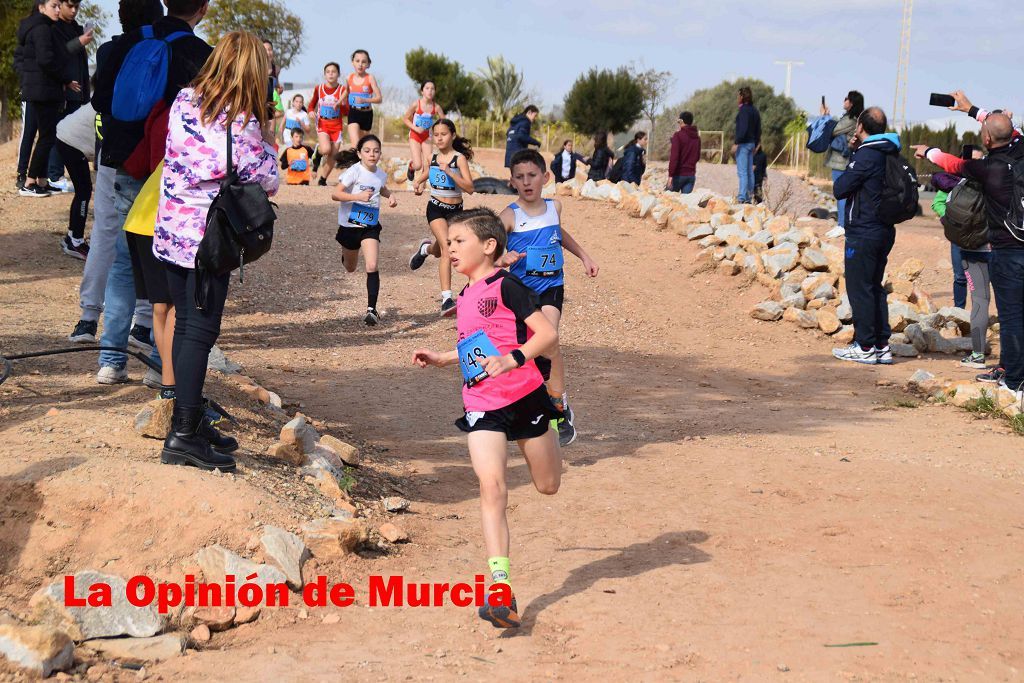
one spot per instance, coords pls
(75, 242)
(423, 248)
(446, 294)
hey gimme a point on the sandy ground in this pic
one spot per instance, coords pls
(737, 501)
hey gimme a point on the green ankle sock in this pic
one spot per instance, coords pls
(499, 570)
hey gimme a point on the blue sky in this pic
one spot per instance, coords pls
(844, 45)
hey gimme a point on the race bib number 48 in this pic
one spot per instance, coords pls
(472, 352)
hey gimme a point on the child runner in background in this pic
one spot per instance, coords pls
(450, 176)
(363, 93)
(420, 118)
(295, 117)
(501, 331)
(535, 241)
(328, 107)
(296, 160)
(359, 190)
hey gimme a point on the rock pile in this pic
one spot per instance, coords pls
(800, 261)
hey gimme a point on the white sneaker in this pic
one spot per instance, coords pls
(108, 374)
(62, 185)
(854, 353)
(153, 379)
(1018, 393)
(883, 356)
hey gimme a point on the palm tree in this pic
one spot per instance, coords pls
(504, 87)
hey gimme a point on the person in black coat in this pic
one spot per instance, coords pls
(43, 84)
(74, 38)
(601, 160)
(518, 136)
(634, 159)
(563, 166)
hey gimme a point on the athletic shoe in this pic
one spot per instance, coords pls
(372, 317)
(420, 256)
(501, 616)
(322, 182)
(85, 332)
(410, 174)
(855, 353)
(993, 376)
(566, 431)
(139, 338)
(975, 360)
(1017, 393)
(317, 157)
(80, 252)
(883, 356)
(20, 182)
(108, 374)
(33, 191)
(153, 379)
(447, 308)
(62, 185)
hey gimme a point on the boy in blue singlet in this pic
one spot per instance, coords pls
(535, 241)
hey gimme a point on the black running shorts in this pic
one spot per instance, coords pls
(352, 238)
(527, 418)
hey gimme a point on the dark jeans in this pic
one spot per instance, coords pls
(78, 169)
(57, 163)
(195, 331)
(28, 136)
(683, 184)
(866, 259)
(45, 115)
(959, 277)
(1007, 274)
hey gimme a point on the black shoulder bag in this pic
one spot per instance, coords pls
(239, 228)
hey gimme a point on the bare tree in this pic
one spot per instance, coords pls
(654, 85)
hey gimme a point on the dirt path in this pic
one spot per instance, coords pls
(736, 502)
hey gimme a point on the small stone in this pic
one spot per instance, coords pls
(40, 649)
(903, 350)
(844, 311)
(814, 259)
(200, 634)
(245, 615)
(331, 619)
(83, 623)
(333, 537)
(348, 453)
(805, 319)
(699, 232)
(299, 432)
(216, 618)
(221, 363)
(393, 533)
(964, 394)
(728, 268)
(138, 651)
(286, 551)
(781, 259)
(796, 300)
(844, 335)
(288, 452)
(395, 504)
(154, 420)
(835, 233)
(828, 321)
(815, 304)
(783, 668)
(911, 269)
(767, 310)
(217, 562)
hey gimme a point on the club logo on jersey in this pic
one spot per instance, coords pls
(487, 306)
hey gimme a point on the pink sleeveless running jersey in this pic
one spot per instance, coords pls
(498, 305)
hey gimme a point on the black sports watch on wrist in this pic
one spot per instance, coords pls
(518, 357)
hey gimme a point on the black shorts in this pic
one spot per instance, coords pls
(352, 238)
(527, 418)
(364, 117)
(438, 209)
(149, 272)
(553, 296)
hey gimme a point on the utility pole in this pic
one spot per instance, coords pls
(899, 104)
(789, 73)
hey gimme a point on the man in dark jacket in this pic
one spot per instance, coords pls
(869, 239)
(42, 83)
(685, 152)
(76, 71)
(120, 138)
(518, 136)
(746, 140)
(994, 173)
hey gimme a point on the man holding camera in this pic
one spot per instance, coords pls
(994, 172)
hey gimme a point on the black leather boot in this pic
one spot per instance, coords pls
(185, 445)
(219, 442)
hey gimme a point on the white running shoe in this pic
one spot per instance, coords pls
(108, 374)
(883, 356)
(855, 353)
(62, 185)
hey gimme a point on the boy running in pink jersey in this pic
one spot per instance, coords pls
(501, 331)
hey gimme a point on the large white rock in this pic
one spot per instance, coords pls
(40, 649)
(82, 623)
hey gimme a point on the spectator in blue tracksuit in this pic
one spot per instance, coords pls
(746, 140)
(868, 239)
(518, 136)
(634, 161)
